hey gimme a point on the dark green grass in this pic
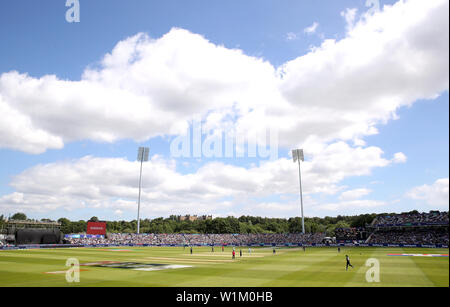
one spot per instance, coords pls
(289, 267)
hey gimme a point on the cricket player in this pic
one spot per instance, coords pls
(348, 263)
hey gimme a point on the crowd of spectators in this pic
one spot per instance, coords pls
(88, 241)
(347, 234)
(195, 239)
(224, 239)
(350, 234)
(201, 239)
(170, 239)
(391, 236)
(410, 236)
(433, 217)
(126, 238)
(3, 243)
(292, 238)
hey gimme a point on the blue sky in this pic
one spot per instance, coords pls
(369, 106)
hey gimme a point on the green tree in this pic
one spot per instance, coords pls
(295, 225)
(243, 224)
(66, 225)
(19, 217)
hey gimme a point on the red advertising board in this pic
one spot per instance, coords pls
(96, 228)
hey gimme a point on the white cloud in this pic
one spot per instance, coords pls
(311, 29)
(148, 87)
(18, 132)
(112, 183)
(354, 194)
(435, 195)
(369, 74)
(144, 88)
(349, 16)
(359, 142)
(399, 157)
(291, 36)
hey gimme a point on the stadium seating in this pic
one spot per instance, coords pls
(412, 218)
(201, 239)
(406, 228)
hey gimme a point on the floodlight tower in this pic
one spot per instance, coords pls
(142, 157)
(297, 155)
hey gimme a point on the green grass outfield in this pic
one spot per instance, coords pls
(291, 267)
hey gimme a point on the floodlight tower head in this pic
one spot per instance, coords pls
(143, 154)
(297, 155)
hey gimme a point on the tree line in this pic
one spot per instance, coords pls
(243, 224)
